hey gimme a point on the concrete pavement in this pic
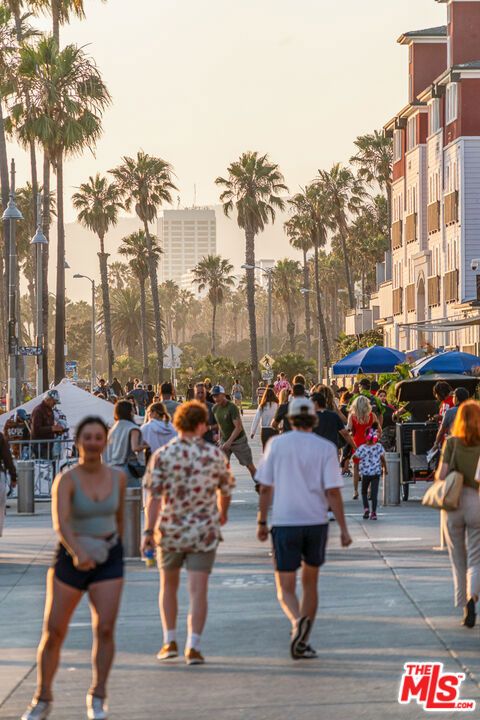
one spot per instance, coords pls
(384, 601)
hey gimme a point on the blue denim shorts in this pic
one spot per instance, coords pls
(294, 544)
(66, 572)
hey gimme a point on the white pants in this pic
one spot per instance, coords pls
(3, 501)
(462, 534)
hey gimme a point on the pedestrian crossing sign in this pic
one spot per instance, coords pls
(267, 362)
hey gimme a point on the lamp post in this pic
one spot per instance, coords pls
(93, 372)
(38, 241)
(268, 273)
(319, 348)
(12, 214)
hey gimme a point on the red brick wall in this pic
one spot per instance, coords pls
(399, 167)
(469, 103)
(422, 128)
(428, 62)
(465, 31)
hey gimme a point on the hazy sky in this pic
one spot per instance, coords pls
(199, 81)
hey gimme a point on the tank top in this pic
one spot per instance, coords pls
(91, 517)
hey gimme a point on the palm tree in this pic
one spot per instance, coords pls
(300, 238)
(374, 160)
(286, 285)
(215, 273)
(135, 247)
(182, 311)
(252, 188)
(118, 274)
(125, 307)
(146, 182)
(345, 195)
(98, 203)
(67, 97)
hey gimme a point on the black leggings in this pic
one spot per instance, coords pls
(266, 434)
(373, 482)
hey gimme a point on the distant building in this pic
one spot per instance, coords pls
(186, 283)
(428, 288)
(186, 236)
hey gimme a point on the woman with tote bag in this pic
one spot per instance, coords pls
(461, 453)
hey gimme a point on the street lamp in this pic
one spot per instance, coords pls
(268, 273)
(38, 241)
(304, 291)
(93, 373)
(12, 214)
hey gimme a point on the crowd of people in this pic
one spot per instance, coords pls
(311, 438)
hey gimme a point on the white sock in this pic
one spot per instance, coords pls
(193, 641)
(169, 636)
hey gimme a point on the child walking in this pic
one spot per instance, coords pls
(371, 458)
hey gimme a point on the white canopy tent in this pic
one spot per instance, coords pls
(75, 405)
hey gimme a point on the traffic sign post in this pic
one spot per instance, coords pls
(267, 362)
(29, 350)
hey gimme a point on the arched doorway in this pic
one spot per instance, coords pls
(421, 308)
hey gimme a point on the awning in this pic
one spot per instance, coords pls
(444, 325)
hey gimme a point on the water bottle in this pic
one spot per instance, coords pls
(149, 556)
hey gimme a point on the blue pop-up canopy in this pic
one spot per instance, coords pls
(372, 360)
(453, 361)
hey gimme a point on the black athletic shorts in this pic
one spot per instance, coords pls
(66, 572)
(293, 544)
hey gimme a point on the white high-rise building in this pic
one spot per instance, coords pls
(186, 236)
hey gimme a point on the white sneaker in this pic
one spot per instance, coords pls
(97, 708)
(37, 710)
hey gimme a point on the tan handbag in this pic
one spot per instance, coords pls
(445, 494)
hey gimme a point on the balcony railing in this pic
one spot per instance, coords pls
(410, 297)
(397, 235)
(451, 286)
(451, 208)
(433, 217)
(397, 301)
(411, 228)
(433, 290)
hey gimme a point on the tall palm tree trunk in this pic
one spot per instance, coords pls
(60, 301)
(342, 226)
(214, 320)
(252, 322)
(306, 299)
(46, 252)
(5, 189)
(56, 20)
(152, 271)
(143, 316)
(321, 316)
(103, 259)
(290, 327)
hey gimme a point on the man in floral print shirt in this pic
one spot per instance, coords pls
(188, 487)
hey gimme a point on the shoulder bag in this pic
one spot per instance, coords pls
(445, 494)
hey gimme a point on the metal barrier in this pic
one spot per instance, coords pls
(48, 457)
(26, 486)
(132, 522)
(391, 482)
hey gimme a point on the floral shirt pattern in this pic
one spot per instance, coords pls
(185, 475)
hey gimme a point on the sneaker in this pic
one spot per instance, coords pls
(373, 516)
(37, 710)
(469, 614)
(366, 514)
(194, 657)
(306, 652)
(355, 496)
(168, 651)
(299, 636)
(97, 708)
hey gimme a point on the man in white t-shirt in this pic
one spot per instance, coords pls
(301, 471)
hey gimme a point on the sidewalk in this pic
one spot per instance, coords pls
(384, 601)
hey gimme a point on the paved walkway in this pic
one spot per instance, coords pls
(385, 601)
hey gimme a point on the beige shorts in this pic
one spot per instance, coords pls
(242, 451)
(195, 561)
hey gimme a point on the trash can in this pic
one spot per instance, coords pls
(132, 522)
(26, 486)
(391, 483)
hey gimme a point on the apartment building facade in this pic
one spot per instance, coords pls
(429, 285)
(186, 236)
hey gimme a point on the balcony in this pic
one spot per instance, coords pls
(433, 291)
(397, 235)
(397, 301)
(451, 208)
(410, 297)
(451, 286)
(411, 228)
(433, 217)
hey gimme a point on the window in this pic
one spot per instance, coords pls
(397, 145)
(451, 102)
(411, 133)
(434, 116)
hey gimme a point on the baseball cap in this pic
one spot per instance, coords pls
(301, 406)
(218, 390)
(54, 395)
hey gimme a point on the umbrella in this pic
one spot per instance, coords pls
(453, 361)
(371, 360)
